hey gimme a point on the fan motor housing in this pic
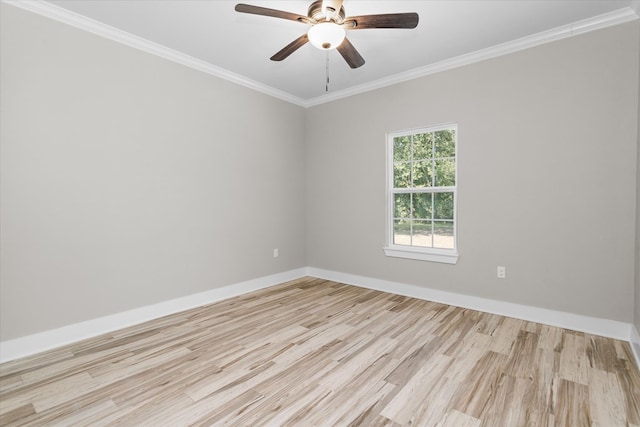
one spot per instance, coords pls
(315, 13)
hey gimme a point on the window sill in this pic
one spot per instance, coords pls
(446, 257)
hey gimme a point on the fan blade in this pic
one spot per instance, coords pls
(350, 54)
(290, 48)
(388, 20)
(264, 11)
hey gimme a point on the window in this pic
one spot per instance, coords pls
(421, 171)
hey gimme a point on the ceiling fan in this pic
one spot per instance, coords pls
(328, 24)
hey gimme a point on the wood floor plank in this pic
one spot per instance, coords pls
(345, 372)
(504, 337)
(11, 382)
(572, 408)
(522, 356)
(544, 381)
(280, 403)
(437, 403)
(52, 393)
(629, 380)
(459, 419)
(606, 399)
(11, 415)
(410, 365)
(416, 390)
(478, 391)
(574, 361)
(356, 407)
(550, 338)
(316, 352)
(466, 357)
(510, 404)
(599, 352)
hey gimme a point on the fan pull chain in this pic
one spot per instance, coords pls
(326, 87)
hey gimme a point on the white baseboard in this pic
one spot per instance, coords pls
(576, 322)
(47, 340)
(635, 344)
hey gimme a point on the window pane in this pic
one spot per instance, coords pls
(401, 232)
(422, 234)
(445, 172)
(445, 143)
(443, 203)
(402, 175)
(402, 206)
(423, 174)
(422, 146)
(423, 165)
(443, 235)
(402, 148)
(422, 205)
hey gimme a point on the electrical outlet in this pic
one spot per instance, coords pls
(502, 272)
(275, 253)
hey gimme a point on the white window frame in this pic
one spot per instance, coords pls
(448, 256)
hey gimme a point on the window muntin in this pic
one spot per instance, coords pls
(422, 190)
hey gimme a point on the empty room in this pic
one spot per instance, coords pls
(320, 213)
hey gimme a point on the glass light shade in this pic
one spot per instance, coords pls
(326, 35)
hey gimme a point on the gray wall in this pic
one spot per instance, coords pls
(547, 173)
(128, 180)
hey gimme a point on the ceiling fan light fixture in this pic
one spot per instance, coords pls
(326, 35)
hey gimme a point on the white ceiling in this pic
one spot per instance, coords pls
(238, 46)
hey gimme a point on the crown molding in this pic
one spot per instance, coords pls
(98, 28)
(596, 23)
(90, 25)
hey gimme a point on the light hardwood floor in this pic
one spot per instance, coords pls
(316, 353)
